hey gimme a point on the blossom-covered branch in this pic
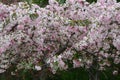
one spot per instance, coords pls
(75, 31)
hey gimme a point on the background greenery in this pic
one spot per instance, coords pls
(41, 3)
(73, 74)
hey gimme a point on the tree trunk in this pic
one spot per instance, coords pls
(93, 74)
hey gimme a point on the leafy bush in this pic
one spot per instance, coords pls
(59, 37)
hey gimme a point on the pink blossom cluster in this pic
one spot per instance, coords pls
(75, 33)
(3, 11)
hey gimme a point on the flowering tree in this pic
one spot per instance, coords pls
(51, 38)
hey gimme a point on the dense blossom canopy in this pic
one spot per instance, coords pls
(76, 32)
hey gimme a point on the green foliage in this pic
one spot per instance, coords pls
(61, 1)
(70, 74)
(73, 74)
(80, 22)
(41, 3)
(33, 16)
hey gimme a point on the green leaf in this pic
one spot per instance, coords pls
(34, 16)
